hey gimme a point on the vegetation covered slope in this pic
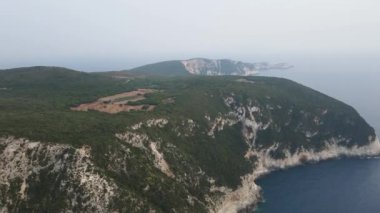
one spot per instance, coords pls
(190, 154)
(166, 68)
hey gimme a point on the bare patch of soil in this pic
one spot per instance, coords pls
(118, 103)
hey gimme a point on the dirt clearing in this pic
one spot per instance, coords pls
(118, 103)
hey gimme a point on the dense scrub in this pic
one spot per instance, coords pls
(35, 104)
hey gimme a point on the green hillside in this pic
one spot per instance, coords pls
(166, 68)
(35, 104)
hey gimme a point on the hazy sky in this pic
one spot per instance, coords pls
(116, 34)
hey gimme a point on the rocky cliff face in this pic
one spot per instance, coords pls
(201, 66)
(64, 176)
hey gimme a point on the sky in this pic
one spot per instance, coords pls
(97, 35)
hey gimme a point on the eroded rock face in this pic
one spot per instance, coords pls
(64, 176)
(201, 66)
(142, 141)
(159, 160)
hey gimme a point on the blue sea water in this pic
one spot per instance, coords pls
(346, 185)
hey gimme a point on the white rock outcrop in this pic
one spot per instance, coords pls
(25, 160)
(202, 66)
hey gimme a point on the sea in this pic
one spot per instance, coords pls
(345, 185)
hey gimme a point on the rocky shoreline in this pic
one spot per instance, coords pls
(248, 195)
(244, 198)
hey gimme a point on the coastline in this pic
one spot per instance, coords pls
(249, 195)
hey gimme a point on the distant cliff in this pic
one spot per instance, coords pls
(202, 66)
